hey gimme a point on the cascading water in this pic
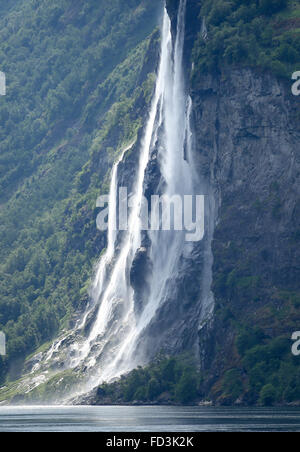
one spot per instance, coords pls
(120, 335)
(112, 344)
(110, 348)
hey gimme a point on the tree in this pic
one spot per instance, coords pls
(153, 389)
(249, 338)
(186, 389)
(270, 7)
(169, 371)
(141, 394)
(268, 395)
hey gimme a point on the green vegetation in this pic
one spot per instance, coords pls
(268, 395)
(256, 311)
(263, 371)
(268, 374)
(51, 391)
(168, 380)
(273, 372)
(77, 89)
(251, 33)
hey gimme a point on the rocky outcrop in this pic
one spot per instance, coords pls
(141, 267)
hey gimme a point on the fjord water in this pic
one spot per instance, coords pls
(148, 419)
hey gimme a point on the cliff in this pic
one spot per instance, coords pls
(247, 140)
(246, 123)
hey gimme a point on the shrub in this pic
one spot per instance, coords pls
(186, 389)
(233, 384)
(267, 395)
(249, 338)
(270, 7)
(153, 389)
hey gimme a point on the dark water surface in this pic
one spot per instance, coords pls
(148, 419)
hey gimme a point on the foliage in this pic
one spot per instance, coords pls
(76, 89)
(271, 370)
(167, 380)
(249, 338)
(249, 33)
(268, 395)
(186, 388)
(232, 385)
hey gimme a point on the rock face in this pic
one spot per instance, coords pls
(246, 128)
(248, 145)
(141, 267)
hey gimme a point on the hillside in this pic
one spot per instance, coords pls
(77, 82)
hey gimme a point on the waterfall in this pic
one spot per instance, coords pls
(120, 322)
(114, 344)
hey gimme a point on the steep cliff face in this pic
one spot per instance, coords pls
(246, 126)
(248, 141)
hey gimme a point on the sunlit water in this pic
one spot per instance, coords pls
(148, 419)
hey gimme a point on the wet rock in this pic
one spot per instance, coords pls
(139, 274)
(32, 362)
